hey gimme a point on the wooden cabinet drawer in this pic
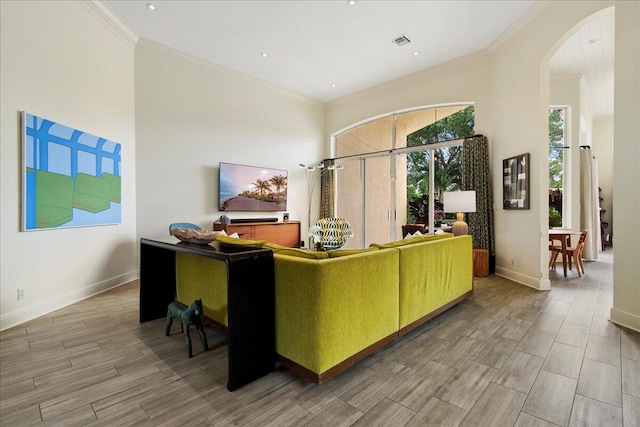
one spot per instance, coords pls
(244, 231)
(289, 235)
(281, 233)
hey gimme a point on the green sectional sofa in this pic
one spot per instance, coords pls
(435, 271)
(329, 311)
(335, 308)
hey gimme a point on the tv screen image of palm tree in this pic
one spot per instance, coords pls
(252, 188)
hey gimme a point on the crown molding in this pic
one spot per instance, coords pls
(518, 28)
(111, 20)
(166, 53)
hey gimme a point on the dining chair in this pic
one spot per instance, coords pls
(573, 253)
(554, 255)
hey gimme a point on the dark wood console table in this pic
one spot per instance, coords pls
(250, 299)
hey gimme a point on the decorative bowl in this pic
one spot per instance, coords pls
(199, 236)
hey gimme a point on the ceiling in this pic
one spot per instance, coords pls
(326, 49)
(590, 52)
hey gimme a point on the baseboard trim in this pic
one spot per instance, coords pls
(532, 282)
(626, 319)
(40, 309)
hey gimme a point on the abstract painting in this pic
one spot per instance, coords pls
(515, 184)
(70, 178)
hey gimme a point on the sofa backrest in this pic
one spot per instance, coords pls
(412, 240)
(433, 273)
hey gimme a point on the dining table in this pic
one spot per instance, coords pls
(563, 236)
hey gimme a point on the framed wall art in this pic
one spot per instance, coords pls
(515, 182)
(70, 178)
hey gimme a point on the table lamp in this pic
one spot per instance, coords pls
(460, 202)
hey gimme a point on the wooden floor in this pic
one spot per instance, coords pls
(510, 356)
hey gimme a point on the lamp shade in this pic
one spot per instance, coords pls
(460, 201)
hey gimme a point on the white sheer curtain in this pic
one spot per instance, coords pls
(590, 203)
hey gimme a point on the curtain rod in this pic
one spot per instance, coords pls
(450, 143)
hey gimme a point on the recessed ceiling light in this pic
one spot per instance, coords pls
(351, 2)
(151, 6)
(264, 55)
(416, 53)
(334, 85)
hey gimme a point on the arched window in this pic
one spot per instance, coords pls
(396, 169)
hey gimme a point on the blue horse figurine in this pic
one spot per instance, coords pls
(188, 316)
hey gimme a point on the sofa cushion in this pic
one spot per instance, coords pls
(243, 242)
(412, 240)
(347, 252)
(301, 253)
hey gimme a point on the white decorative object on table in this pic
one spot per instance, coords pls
(199, 236)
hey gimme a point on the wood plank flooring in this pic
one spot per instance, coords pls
(511, 356)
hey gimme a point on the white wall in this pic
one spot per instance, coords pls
(510, 89)
(521, 86)
(602, 148)
(626, 158)
(62, 61)
(466, 79)
(191, 115)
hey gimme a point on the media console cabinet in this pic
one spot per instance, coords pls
(285, 233)
(250, 299)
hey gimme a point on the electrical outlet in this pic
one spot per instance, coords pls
(518, 262)
(20, 294)
(513, 262)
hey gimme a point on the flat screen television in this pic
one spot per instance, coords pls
(252, 188)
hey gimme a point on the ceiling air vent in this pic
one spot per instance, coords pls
(401, 41)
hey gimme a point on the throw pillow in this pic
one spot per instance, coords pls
(229, 240)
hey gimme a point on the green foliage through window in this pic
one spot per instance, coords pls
(447, 164)
(556, 165)
(556, 148)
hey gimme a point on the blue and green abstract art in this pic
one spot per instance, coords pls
(71, 178)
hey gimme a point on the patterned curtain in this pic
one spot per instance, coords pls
(477, 176)
(327, 194)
